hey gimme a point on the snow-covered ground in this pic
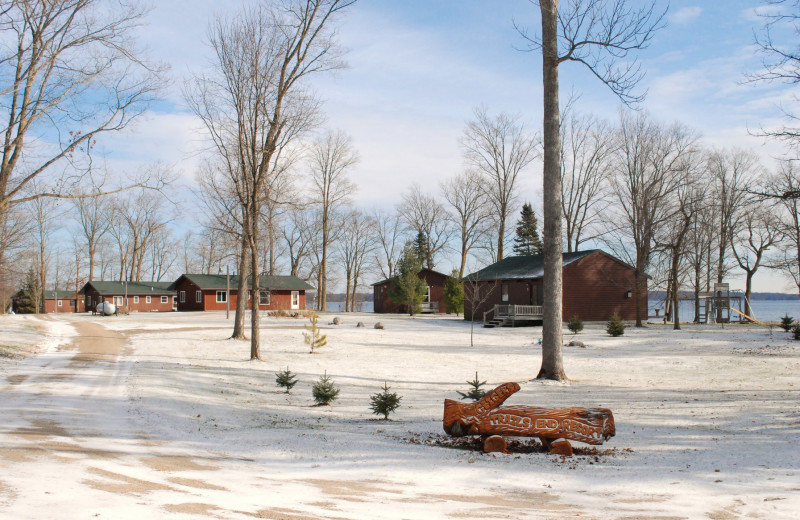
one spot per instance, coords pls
(177, 423)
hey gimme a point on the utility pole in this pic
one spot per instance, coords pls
(227, 292)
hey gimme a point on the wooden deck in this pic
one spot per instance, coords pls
(505, 315)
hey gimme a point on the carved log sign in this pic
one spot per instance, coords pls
(484, 417)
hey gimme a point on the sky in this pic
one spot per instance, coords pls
(417, 70)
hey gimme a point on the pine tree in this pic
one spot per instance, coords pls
(286, 379)
(787, 322)
(575, 324)
(422, 249)
(527, 241)
(28, 298)
(615, 326)
(454, 293)
(314, 338)
(406, 287)
(324, 390)
(384, 402)
(476, 392)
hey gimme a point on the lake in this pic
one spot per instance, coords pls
(763, 310)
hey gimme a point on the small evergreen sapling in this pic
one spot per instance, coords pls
(385, 402)
(324, 390)
(476, 392)
(575, 324)
(286, 379)
(787, 322)
(615, 326)
(314, 338)
(796, 331)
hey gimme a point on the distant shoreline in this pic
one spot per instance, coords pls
(772, 296)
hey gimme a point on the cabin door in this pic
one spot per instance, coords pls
(295, 299)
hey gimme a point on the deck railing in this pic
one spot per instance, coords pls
(515, 312)
(430, 307)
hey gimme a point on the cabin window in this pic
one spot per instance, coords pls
(88, 300)
(135, 299)
(222, 296)
(183, 296)
(59, 303)
(165, 299)
(504, 289)
(147, 299)
(263, 297)
(72, 303)
(198, 296)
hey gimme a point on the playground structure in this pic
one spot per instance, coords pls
(720, 306)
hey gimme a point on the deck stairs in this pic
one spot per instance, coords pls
(509, 315)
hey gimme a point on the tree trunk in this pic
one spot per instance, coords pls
(255, 332)
(241, 290)
(552, 358)
(676, 297)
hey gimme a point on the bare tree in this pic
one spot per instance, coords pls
(787, 179)
(600, 35)
(469, 211)
(390, 237)
(673, 238)
(586, 160)
(651, 164)
(71, 73)
(298, 233)
(731, 171)
(355, 245)
(781, 60)
(760, 230)
(499, 148)
(254, 106)
(138, 218)
(331, 158)
(94, 220)
(428, 218)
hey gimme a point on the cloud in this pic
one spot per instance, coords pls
(685, 15)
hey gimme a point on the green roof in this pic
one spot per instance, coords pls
(61, 295)
(522, 267)
(133, 288)
(217, 281)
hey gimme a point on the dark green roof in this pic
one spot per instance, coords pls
(61, 295)
(217, 281)
(522, 267)
(133, 288)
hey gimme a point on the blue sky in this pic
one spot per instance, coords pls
(418, 68)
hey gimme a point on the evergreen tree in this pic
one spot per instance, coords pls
(475, 392)
(286, 379)
(324, 390)
(28, 298)
(527, 241)
(384, 402)
(454, 293)
(314, 338)
(406, 287)
(615, 326)
(422, 249)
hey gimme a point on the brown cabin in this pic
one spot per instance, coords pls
(133, 296)
(208, 292)
(434, 298)
(62, 301)
(594, 284)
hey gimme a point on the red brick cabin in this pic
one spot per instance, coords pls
(135, 296)
(207, 292)
(62, 301)
(433, 302)
(595, 285)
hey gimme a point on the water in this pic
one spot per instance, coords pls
(763, 310)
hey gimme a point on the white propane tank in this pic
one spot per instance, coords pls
(106, 308)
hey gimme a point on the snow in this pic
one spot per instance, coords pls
(181, 424)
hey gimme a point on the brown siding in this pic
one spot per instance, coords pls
(593, 288)
(279, 299)
(67, 305)
(383, 304)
